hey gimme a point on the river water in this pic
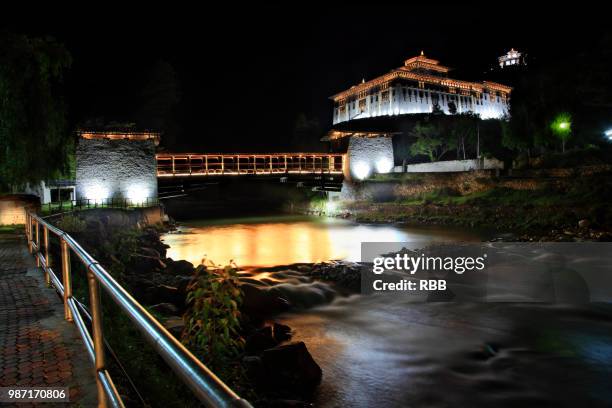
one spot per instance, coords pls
(283, 240)
(381, 351)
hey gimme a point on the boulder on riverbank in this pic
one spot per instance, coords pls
(291, 367)
(260, 302)
(180, 267)
(267, 337)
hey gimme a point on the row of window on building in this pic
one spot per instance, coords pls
(414, 95)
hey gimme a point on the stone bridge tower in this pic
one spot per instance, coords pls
(116, 165)
(367, 153)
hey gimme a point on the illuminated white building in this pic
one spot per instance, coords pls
(422, 85)
(512, 58)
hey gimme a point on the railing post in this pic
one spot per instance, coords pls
(98, 339)
(30, 226)
(47, 257)
(66, 278)
(37, 243)
(28, 230)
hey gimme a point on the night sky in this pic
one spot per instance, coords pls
(247, 72)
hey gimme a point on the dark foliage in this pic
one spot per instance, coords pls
(34, 142)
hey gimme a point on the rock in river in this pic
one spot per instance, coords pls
(260, 340)
(292, 367)
(180, 267)
(261, 302)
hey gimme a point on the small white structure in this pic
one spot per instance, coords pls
(513, 57)
(52, 191)
(422, 85)
(449, 166)
(116, 165)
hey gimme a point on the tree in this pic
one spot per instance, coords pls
(306, 134)
(429, 141)
(461, 132)
(34, 142)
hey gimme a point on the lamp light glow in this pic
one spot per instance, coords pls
(384, 165)
(361, 170)
(137, 194)
(97, 193)
(562, 125)
(330, 207)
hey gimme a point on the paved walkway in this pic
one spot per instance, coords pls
(37, 346)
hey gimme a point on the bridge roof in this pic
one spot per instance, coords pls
(119, 135)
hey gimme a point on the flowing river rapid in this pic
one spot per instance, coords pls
(386, 351)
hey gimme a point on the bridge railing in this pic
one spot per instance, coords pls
(88, 203)
(205, 385)
(239, 164)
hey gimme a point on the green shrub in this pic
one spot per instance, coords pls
(120, 246)
(71, 224)
(10, 229)
(588, 156)
(212, 325)
(441, 195)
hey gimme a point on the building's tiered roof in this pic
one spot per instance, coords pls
(422, 63)
(423, 70)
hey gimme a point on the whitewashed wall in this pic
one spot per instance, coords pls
(411, 101)
(41, 190)
(452, 166)
(116, 169)
(369, 155)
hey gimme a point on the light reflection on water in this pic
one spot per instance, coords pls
(387, 352)
(269, 241)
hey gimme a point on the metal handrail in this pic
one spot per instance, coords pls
(205, 385)
(110, 202)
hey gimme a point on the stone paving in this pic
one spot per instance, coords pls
(37, 346)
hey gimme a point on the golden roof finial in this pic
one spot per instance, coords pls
(422, 53)
(363, 80)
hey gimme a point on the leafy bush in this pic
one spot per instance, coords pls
(440, 195)
(71, 224)
(120, 247)
(212, 326)
(588, 156)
